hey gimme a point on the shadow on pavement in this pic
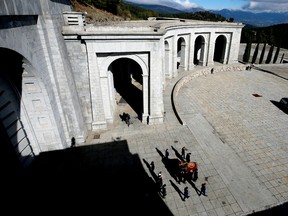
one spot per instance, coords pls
(280, 210)
(101, 179)
(280, 106)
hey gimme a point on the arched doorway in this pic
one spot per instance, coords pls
(180, 52)
(128, 83)
(15, 148)
(199, 50)
(220, 48)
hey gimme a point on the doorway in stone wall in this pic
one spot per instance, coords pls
(128, 85)
(199, 46)
(220, 48)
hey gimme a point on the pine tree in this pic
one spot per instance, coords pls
(255, 54)
(262, 54)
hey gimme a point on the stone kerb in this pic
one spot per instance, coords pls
(187, 78)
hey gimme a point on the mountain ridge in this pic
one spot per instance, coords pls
(257, 19)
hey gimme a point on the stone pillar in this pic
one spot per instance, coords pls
(174, 57)
(98, 115)
(183, 57)
(210, 49)
(227, 51)
(145, 113)
(191, 52)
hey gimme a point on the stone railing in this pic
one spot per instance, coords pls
(204, 71)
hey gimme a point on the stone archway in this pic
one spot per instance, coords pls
(27, 120)
(199, 50)
(180, 52)
(128, 83)
(220, 49)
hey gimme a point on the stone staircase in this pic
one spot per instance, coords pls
(13, 126)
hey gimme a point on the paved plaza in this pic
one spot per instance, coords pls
(231, 123)
(234, 131)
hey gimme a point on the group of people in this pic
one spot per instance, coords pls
(184, 175)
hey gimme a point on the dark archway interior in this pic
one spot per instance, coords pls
(219, 49)
(198, 46)
(10, 83)
(180, 42)
(127, 75)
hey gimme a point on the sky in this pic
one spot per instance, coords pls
(250, 5)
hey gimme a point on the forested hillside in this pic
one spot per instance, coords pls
(131, 12)
(274, 35)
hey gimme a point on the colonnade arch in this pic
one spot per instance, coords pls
(181, 44)
(199, 46)
(220, 49)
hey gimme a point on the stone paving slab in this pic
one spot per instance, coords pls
(238, 140)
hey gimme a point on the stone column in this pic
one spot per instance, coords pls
(174, 57)
(210, 49)
(145, 113)
(191, 52)
(227, 51)
(98, 115)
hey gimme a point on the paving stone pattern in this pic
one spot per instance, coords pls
(238, 140)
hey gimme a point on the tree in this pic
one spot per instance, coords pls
(262, 54)
(247, 52)
(276, 55)
(255, 54)
(270, 53)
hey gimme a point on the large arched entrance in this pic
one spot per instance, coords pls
(128, 83)
(15, 148)
(220, 48)
(27, 121)
(199, 50)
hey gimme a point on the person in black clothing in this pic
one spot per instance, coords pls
(203, 189)
(195, 175)
(186, 193)
(152, 166)
(166, 153)
(188, 157)
(163, 191)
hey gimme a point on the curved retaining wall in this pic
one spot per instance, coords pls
(203, 71)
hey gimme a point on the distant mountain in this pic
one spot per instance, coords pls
(245, 17)
(173, 6)
(158, 8)
(255, 19)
